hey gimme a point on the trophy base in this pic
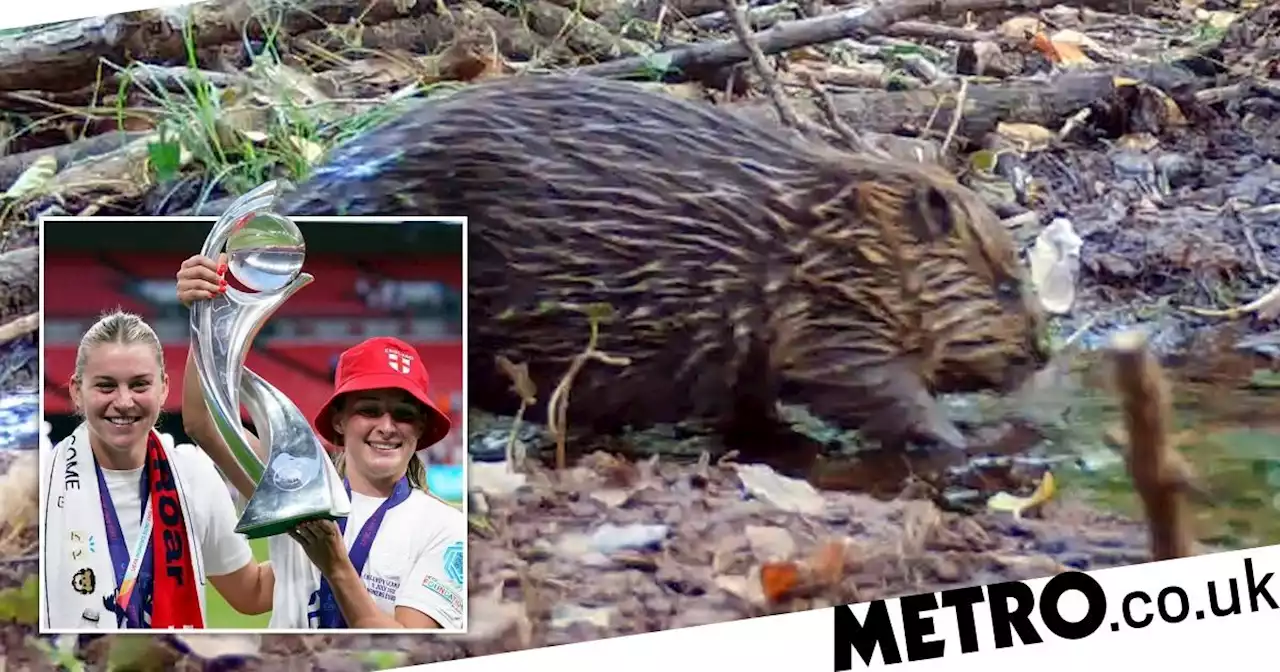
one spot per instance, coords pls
(277, 526)
(272, 511)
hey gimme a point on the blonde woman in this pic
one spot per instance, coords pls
(397, 561)
(134, 527)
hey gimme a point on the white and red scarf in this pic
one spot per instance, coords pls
(90, 579)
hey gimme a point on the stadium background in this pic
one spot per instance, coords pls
(400, 279)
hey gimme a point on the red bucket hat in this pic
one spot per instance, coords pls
(380, 363)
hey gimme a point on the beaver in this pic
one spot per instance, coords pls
(743, 265)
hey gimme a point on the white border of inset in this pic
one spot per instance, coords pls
(209, 220)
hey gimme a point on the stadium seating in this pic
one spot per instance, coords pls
(102, 282)
(444, 269)
(331, 294)
(79, 285)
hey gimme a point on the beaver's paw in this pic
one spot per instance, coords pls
(940, 439)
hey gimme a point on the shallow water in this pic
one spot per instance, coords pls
(1226, 420)
(1231, 438)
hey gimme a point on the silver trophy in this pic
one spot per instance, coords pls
(265, 252)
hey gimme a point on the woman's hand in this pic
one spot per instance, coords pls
(322, 540)
(200, 278)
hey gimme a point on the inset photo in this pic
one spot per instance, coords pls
(254, 422)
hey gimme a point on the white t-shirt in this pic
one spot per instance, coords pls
(417, 561)
(222, 550)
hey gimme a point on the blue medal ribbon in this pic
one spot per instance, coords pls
(131, 615)
(330, 615)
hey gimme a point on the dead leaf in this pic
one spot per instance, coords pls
(211, 647)
(248, 121)
(823, 569)
(467, 62)
(779, 580)
(1138, 141)
(788, 494)
(1075, 38)
(807, 54)
(1021, 27)
(1030, 136)
(828, 564)
(521, 383)
(747, 588)
(20, 493)
(34, 179)
(309, 149)
(685, 90)
(611, 497)
(1007, 503)
(493, 478)
(770, 544)
(1062, 53)
(1217, 19)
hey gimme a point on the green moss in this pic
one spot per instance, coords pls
(22, 604)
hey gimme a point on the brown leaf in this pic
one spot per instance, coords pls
(779, 580)
(522, 384)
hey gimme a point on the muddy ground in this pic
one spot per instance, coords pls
(594, 554)
(615, 547)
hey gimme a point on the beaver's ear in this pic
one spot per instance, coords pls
(931, 215)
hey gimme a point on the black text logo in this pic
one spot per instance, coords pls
(1008, 604)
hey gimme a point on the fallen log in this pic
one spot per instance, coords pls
(1045, 103)
(584, 36)
(19, 283)
(429, 34)
(692, 60)
(11, 167)
(66, 57)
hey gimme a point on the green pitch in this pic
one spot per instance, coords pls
(221, 615)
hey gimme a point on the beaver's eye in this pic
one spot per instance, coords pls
(1009, 290)
(933, 217)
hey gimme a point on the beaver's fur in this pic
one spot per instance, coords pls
(744, 267)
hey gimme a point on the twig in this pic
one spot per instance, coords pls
(1257, 254)
(17, 328)
(558, 404)
(524, 388)
(956, 115)
(1073, 122)
(933, 31)
(827, 106)
(738, 21)
(1160, 475)
(172, 78)
(1265, 303)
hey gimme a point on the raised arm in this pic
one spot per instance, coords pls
(200, 279)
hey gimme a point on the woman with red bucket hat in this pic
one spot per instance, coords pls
(397, 560)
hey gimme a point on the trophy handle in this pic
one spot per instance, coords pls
(301, 482)
(222, 332)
